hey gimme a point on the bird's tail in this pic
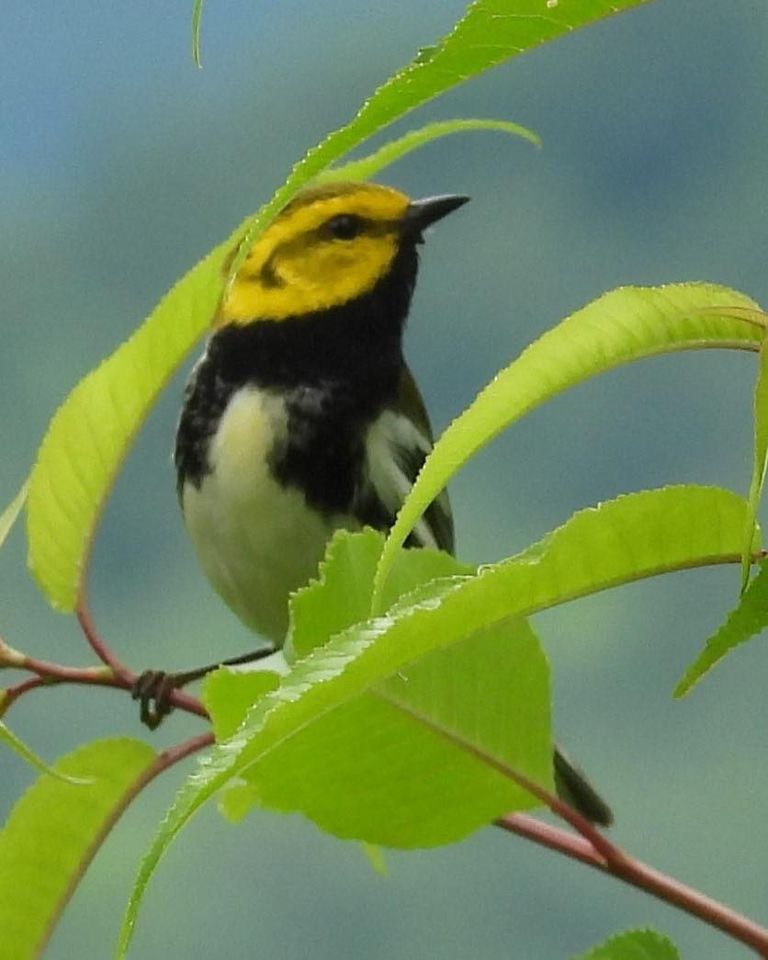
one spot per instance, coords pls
(573, 787)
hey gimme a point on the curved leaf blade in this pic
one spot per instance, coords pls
(418, 761)
(759, 465)
(627, 324)
(746, 620)
(381, 766)
(638, 535)
(89, 435)
(26, 753)
(91, 431)
(341, 594)
(489, 33)
(52, 834)
(367, 167)
(228, 695)
(488, 695)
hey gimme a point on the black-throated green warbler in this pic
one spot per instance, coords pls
(302, 416)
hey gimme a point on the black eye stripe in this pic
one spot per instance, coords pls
(344, 226)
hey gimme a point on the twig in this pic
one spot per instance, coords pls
(555, 838)
(50, 674)
(640, 875)
(11, 694)
(98, 646)
(122, 676)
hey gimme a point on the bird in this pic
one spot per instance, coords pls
(302, 416)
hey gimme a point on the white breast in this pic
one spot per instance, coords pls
(256, 540)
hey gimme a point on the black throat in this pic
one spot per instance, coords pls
(359, 342)
(337, 369)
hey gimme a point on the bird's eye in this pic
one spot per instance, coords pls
(344, 226)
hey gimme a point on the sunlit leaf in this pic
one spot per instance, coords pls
(9, 515)
(329, 605)
(52, 834)
(635, 536)
(367, 167)
(415, 762)
(746, 620)
(490, 33)
(362, 769)
(760, 462)
(89, 435)
(227, 695)
(26, 753)
(634, 945)
(621, 326)
(92, 430)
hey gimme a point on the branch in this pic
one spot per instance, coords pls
(638, 874)
(11, 694)
(99, 647)
(49, 674)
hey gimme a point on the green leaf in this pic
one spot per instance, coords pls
(53, 833)
(634, 945)
(26, 753)
(385, 767)
(338, 599)
(228, 694)
(367, 167)
(760, 463)
(329, 605)
(489, 33)
(197, 14)
(621, 326)
(635, 536)
(11, 512)
(295, 726)
(91, 431)
(89, 435)
(746, 620)
(236, 799)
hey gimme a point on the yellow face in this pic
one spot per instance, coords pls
(328, 246)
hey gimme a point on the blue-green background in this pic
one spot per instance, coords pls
(120, 165)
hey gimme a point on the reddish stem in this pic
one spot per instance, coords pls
(604, 850)
(58, 673)
(93, 637)
(11, 694)
(555, 838)
(50, 674)
(640, 875)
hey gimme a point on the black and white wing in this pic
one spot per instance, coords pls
(397, 443)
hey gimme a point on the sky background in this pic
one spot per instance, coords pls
(121, 165)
